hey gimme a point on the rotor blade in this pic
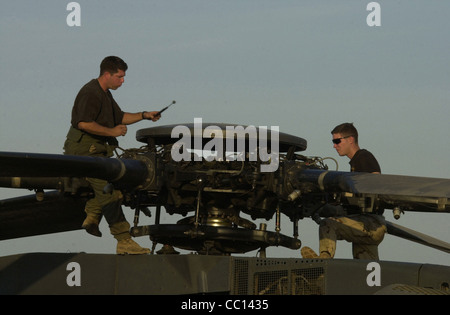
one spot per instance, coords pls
(25, 216)
(408, 191)
(382, 184)
(33, 182)
(411, 235)
(56, 165)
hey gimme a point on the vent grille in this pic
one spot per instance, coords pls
(274, 277)
(240, 276)
(309, 281)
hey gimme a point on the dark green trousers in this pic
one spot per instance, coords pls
(103, 204)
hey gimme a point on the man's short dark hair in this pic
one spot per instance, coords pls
(346, 129)
(112, 64)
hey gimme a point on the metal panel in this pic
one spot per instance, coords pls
(51, 273)
(46, 273)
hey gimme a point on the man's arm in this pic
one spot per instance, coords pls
(119, 130)
(99, 130)
(131, 118)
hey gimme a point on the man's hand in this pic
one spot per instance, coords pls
(119, 130)
(153, 116)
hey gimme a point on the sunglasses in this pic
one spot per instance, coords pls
(338, 140)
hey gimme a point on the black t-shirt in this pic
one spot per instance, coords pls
(364, 161)
(94, 104)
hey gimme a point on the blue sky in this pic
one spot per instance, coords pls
(305, 66)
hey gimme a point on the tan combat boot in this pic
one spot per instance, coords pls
(128, 246)
(307, 252)
(90, 224)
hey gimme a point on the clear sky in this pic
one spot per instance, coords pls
(305, 66)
